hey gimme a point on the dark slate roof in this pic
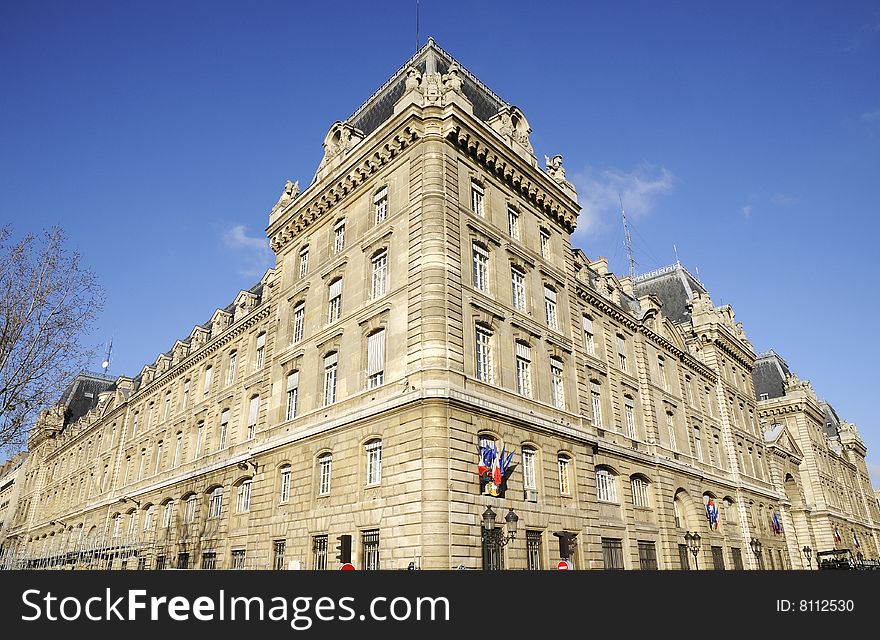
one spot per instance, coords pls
(674, 286)
(380, 106)
(832, 421)
(81, 395)
(769, 375)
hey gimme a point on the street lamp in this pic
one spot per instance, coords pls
(693, 543)
(57, 522)
(495, 536)
(808, 554)
(127, 499)
(755, 544)
(244, 465)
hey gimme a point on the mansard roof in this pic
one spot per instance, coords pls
(674, 286)
(769, 375)
(379, 107)
(81, 395)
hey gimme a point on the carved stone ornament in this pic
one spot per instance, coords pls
(288, 194)
(511, 123)
(554, 168)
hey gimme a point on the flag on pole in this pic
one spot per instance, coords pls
(712, 514)
(837, 537)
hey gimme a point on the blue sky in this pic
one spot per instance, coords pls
(159, 135)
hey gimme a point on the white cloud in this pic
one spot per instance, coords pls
(783, 199)
(747, 210)
(255, 251)
(639, 189)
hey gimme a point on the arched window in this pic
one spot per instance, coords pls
(640, 491)
(215, 502)
(117, 524)
(679, 510)
(149, 516)
(325, 463)
(243, 497)
(168, 514)
(373, 451)
(284, 483)
(606, 485)
(563, 467)
(189, 509)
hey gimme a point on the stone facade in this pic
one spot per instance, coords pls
(425, 298)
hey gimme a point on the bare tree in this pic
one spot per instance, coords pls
(48, 301)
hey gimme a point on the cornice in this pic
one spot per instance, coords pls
(606, 307)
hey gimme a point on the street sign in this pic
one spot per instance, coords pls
(563, 565)
(347, 567)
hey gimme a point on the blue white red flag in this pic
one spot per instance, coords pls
(837, 537)
(712, 514)
(856, 541)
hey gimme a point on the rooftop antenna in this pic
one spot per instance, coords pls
(106, 364)
(627, 241)
(417, 26)
(675, 250)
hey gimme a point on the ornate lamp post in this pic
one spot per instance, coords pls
(495, 536)
(693, 543)
(755, 544)
(808, 554)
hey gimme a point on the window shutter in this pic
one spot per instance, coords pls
(336, 288)
(261, 341)
(292, 380)
(523, 351)
(330, 360)
(588, 325)
(381, 193)
(549, 294)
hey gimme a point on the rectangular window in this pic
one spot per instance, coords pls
(237, 556)
(284, 494)
(158, 466)
(661, 372)
(687, 391)
(545, 245)
(376, 359)
(379, 275)
(230, 374)
(183, 560)
(160, 563)
(736, 556)
(717, 446)
(647, 556)
(374, 462)
(200, 438)
(589, 342)
(209, 560)
(142, 464)
(629, 417)
(167, 412)
(477, 197)
(335, 300)
(278, 554)
(380, 205)
(612, 553)
(621, 352)
(224, 429)
(330, 363)
(718, 558)
(698, 444)
(303, 262)
(533, 550)
(483, 355)
(563, 464)
(596, 400)
(557, 388)
(481, 268)
(339, 236)
(253, 410)
(513, 223)
(292, 394)
(299, 317)
(319, 553)
(550, 307)
(529, 477)
(518, 288)
(370, 544)
(208, 371)
(185, 402)
(261, 349)
(523, 370)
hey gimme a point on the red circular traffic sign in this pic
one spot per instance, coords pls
(563, 565)
(347, 567)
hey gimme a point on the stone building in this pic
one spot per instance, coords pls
(832, 499)
(426, 305)
(9, 492)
